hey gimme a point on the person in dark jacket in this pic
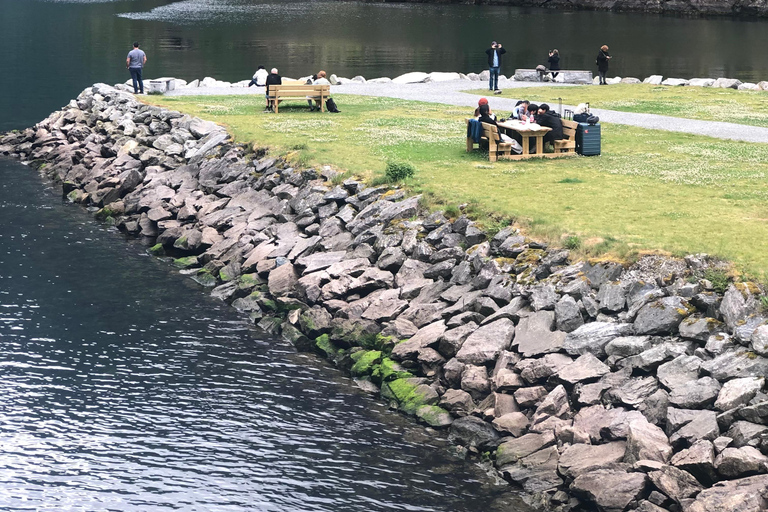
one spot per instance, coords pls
(548, 118)
(272, 79)
(602, 63)
(494, 64)
(554, 63)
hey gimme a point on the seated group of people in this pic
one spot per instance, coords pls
(527, 112)
(263, 79)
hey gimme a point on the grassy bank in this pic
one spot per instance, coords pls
(650, 189)
(704, 103)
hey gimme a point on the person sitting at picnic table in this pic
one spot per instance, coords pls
(318, 79)
(259, 77)
(272, 79)
(521, 107)
(485, 117)
(480, 103)
(531, 112)
(548, 118)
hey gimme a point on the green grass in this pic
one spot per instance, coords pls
(649, 190)
(705, 103)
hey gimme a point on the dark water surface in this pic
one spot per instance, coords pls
(52, 49)
(123, 387)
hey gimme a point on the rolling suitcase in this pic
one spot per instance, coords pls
(588, 139)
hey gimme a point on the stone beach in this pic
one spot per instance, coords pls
(590, 385)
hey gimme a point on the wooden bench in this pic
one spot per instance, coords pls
(496, 148)
(278, 93)
(568, 143)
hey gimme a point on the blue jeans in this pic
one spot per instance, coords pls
(493, 82)
(138, 84)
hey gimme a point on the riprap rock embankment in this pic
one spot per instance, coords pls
(591, 386)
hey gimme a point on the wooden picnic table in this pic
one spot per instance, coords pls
(526, 131)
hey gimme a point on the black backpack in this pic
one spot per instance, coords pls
(331, 105)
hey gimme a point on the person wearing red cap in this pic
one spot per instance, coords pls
(483, 101)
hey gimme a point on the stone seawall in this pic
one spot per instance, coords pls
(749, 8)
(590, 386)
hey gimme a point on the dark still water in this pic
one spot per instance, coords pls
(123, 387)
(52, 49)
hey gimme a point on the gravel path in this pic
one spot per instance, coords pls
(450, 93)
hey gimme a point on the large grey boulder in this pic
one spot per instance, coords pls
(739, 301)
(698, 460)
(610, 489)
(626, 346)
(691, 427)
(727, 83)
(536, 472)
(646, 441)
(759, 340)
(475, 433)
(474, 380)
(383, 212)
(282, 281)
(580, 458)
(427, 336)
(679, 371)
(568, 314)
(612, 297)
(512, 450)
(484, 345)
(745, 433)
(743, 495)
(738, 392)
(740, 462)
(534, 335)
(584, 368)
(735, 364)
(662, 316)
(594, 336)
(695, 395)
(675, 483)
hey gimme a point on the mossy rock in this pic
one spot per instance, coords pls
(105, 214)
(326, 346)
(364, 362)
(187, 262)
(388, 370)
(248, 281)
(205, 278)
(224, 276)
(434, 416)
(410, 394)
(156, 250)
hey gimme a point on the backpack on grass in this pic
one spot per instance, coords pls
(331, 105)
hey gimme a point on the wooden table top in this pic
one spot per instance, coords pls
(519, 126)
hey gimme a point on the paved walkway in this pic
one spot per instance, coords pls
(450, 93)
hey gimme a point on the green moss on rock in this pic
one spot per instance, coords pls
(434, 416)
(156, 250)
(407, 394)
(365, 361)
(186, 262)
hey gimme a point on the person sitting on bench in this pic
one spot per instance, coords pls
(272, 79)
(480, 103)
(548, 118)
(485, 117)
(319, 79)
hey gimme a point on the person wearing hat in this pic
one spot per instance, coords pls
(602, 63)
(483, 101)
(494, 64)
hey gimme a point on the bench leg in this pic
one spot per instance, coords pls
(322, 104)
(470, 144)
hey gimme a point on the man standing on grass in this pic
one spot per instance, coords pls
(494, 63)
(135, 64)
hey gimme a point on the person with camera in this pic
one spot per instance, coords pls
(494, 64)
(554, 63)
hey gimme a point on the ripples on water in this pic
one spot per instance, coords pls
(124, 387)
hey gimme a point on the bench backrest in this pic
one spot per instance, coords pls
(491, 132)
(299, 90)
(569, 129)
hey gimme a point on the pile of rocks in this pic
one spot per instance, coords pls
(719, 83)
(590, 385)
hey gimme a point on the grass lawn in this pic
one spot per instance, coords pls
(705, 103)
(649, 190)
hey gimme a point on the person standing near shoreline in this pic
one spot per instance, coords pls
(602, 63)
(135, 64)
(494, 64)
(554, 63)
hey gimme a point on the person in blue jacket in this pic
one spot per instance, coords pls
(494, 64)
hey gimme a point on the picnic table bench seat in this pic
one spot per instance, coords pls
(568, 144)
(295, 91)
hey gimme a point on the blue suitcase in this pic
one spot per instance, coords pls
(588, 139)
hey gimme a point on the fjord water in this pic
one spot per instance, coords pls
(123, 387)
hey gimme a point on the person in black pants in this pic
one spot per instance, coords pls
(547, 118)
(272, 79)
(554, 63)
(494, 64)
(602, 63)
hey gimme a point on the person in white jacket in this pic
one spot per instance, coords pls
(259, 77)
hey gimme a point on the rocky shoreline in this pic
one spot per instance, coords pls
(590, 386)
(731, 8)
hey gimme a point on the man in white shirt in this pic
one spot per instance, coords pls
(259, 77)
